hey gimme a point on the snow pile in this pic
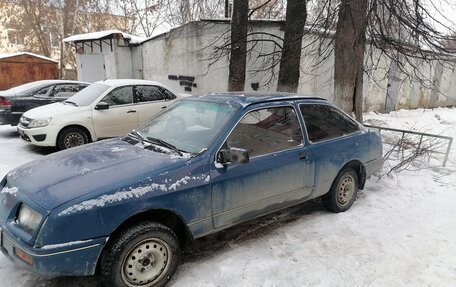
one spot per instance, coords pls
(4, 56)
(10, 190)
(67, 244)
(103, 34)
(132, 193)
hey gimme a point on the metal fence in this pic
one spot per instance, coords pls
(421, 135)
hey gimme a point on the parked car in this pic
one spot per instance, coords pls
(15, 101)
(104, 109)
(128, 206)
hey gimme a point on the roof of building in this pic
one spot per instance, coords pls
(5, 56)
(103, 34)
(248, 98)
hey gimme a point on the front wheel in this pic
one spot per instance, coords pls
(343, 191)
(145, 255)
(71, 137)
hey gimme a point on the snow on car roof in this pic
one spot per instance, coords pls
(123, 82)
(10, 55)
(102, 34)
(32, 85)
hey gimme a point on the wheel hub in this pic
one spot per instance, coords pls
(145, 263)
(73, 140)
(346, 190)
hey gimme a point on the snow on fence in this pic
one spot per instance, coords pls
(413, 145)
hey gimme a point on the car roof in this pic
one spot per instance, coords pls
(249, 98)
(124, 82)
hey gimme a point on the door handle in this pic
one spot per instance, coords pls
(131, 111)
(303, 155)
(163, 107)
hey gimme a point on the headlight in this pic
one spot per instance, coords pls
(39, 123)
(28, 219)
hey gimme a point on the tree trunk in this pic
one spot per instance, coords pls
(239, 23)
(291, 55)
(349, 56)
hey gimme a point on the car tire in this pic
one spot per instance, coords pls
(71, 137)
(343, 191)
(145, 255)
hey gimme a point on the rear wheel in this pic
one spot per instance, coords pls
(72, 137)
(343, 191)
(146, 255)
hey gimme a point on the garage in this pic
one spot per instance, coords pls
(20, 68)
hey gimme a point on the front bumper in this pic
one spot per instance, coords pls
(77, 258)
(44, 136)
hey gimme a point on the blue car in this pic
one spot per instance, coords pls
(126, 207)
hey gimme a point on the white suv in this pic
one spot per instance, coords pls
(104, 109)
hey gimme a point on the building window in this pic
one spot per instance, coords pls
(15, 37)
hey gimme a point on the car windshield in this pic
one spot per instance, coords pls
(88, 95)
(189, 125)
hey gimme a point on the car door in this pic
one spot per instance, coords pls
(334, 139)
(121, 116)
(36, 98)
(150, 100)
(280, 171)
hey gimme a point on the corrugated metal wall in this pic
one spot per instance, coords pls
(18, 70)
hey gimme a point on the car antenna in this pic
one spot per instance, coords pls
(107, 78)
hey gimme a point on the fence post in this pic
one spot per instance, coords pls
(447, 151)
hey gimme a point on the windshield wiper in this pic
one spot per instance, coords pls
(165, 144)
(136, 135)
(70, 102)
(156, 141)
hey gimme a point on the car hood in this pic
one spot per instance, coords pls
(67, 175)
(49, 111)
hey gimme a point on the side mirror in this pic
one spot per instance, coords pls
(234, 155)
(102, 106)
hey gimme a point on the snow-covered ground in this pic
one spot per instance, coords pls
(400, 231)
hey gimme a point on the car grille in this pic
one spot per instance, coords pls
(24, 122)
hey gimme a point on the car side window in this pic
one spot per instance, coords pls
(267, 131)
(168, 94)
(119, 96)
(325, 122)
(65, 91)
(42, 92)
(148, 94)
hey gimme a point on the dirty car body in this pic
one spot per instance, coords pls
(234, 157)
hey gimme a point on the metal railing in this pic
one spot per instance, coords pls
(422, 135)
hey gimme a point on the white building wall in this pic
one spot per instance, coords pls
(123, 60)
(137, 62)
(187, 51)
(194, 52)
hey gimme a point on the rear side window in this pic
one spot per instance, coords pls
(65, 91)
(43, 92)
(149, 94)
(119, 96)
(325, 122)
(267, 131)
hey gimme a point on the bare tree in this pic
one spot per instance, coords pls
(239, 24)
(350, 41)
(290, 62)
